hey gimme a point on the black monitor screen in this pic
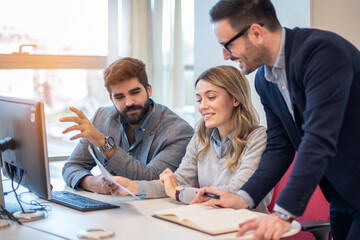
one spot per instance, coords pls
(23, 120)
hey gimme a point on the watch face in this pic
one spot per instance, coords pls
(109, 144)
(179, 188)
(111, 141)
(283, 216)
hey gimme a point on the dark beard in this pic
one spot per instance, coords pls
(258, 59)
(134, 119)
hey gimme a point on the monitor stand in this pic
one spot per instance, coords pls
(12, 206)
(27, 215)
(4, 223)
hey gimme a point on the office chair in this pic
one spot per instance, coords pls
(315, 220)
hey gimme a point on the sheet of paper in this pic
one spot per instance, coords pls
(108, 176)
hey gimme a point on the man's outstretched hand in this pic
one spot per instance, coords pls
(269, 227)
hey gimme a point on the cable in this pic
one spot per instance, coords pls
(12, 218)
(13, 188)
(9, 215)
(41, 206)
(6, 193)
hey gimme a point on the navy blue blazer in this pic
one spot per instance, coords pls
(323, 73)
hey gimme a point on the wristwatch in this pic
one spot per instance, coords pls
(284, 217)
(178, 190)
(109, 144)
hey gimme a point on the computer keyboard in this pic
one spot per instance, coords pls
(79, 202)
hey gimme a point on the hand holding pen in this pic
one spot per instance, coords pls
(216, 197)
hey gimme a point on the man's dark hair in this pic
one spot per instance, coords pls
(125, 69)
(242, 13)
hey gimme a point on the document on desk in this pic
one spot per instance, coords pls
(108, 176)
(209, 220)
(214, 220)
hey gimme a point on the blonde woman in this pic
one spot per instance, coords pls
(226, 149)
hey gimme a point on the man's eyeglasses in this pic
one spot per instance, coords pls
(242, 32)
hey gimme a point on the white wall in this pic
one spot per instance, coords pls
(208, 53)
(342, 17)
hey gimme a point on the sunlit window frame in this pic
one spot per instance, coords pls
(33, 61)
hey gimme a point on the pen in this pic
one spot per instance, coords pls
(212, 195)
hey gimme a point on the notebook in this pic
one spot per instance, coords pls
(209, 220)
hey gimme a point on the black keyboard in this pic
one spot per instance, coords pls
(79, 202)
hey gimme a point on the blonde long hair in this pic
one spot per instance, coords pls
(244, 117)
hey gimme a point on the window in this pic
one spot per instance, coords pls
(56, 51)
(61, 61)
(63, 27)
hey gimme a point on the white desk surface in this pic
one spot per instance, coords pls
(132, 220)
(16, 231)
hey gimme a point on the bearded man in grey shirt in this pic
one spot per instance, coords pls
(136, 138)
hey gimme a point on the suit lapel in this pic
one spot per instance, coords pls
(284, 114)
(293, 126)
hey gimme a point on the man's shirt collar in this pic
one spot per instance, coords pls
(279, 62)
(220, 147)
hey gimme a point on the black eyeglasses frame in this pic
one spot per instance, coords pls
(242, 32)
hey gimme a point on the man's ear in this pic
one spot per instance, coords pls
(149, 90)
(256, 33)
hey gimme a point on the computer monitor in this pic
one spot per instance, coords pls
(23, 121)
(2, 200)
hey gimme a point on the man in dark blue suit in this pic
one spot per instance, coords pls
(309, 84)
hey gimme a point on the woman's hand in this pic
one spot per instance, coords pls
(168, 178)
(226, 200)
(95, 184)
(130, 185)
